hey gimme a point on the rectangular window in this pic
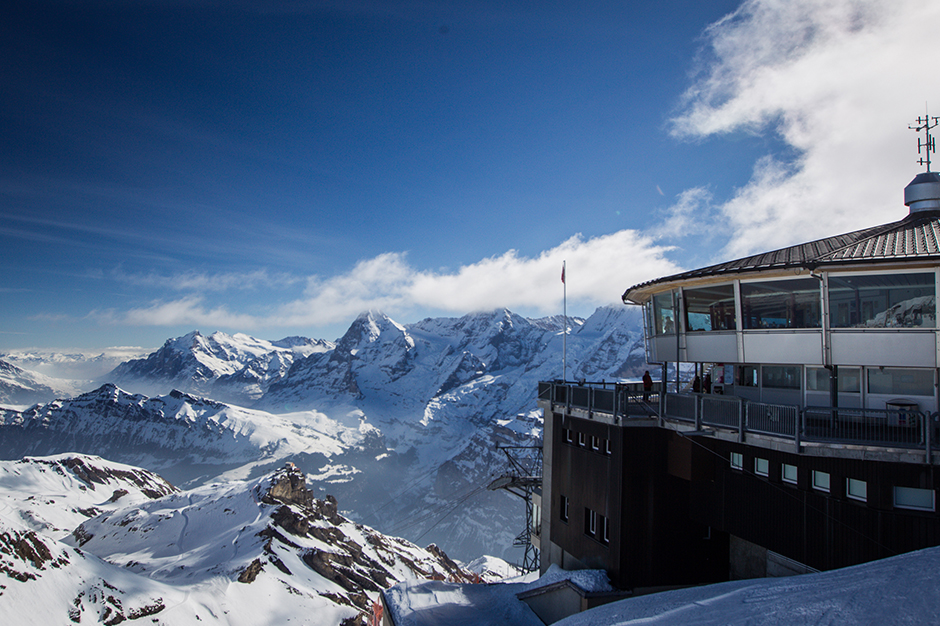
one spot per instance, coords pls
(605, 529)
(912, 498)
(781, 304)
(709, 308)
(780, 376)
(817, 379)
(898, 381)
(789, 474)
(595, 443)
(761, 467)
(747, 375)
(821, 481)
(564, 508)
(737, 460)
(664, 314)
(607, 447)
(883, 301)
(856, 489)
(569, 437)
(582, 439)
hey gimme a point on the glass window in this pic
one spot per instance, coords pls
(709, 308)
(821, 480)
(856, 489)
(911, 498)
(747, 375)
(737, 460)
(789, 473)
(897, 381)
(761, 467)
(781, 304)
(564, 508)
(664, 314)
(817, 379)
(888, 300)
(780, 376)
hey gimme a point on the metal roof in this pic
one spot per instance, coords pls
(916, 237)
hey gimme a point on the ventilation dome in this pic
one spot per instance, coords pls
(923, 193)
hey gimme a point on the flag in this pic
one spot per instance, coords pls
(562, 272)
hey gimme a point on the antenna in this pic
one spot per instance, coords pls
(926, 123)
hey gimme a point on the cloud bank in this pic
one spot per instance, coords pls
(838, 81)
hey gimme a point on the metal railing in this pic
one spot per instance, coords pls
(885, 428)
(620, 400)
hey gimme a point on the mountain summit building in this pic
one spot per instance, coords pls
(815, 443)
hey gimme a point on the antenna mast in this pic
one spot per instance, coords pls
(926, 123)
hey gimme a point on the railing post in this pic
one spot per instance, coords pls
(698, 412)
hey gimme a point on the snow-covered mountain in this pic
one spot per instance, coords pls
(23, 387)
(232, 368)
(246, 552)
(400, 422)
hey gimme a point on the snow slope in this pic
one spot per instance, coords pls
(245, 552)
(898, 590)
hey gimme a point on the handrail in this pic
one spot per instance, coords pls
(884, 428)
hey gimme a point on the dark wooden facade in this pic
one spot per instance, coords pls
(674, 503)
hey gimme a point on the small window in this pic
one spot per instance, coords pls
(595, 443)
(605, 529)
(607, 447)
(917, 499)
(564, 508)
(821, 481)
(856, 489)
(737, 460)
(789, 474)
(590, 522)
(569, 437)
(582, 439)
(761, 467)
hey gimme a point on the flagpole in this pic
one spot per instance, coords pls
(564, 349)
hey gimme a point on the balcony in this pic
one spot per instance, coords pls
(907, 434)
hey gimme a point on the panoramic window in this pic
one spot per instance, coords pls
(664, 314)
(709, 308)
(883, 301)
(898, 381)
(817, 379)
(780, 376)
(781, 304)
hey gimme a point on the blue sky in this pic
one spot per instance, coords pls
(275, 168)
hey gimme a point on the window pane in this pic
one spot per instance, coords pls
(817, 379)
(664, 315)
(710, 308)
(747, 375)
(820, 480)
(856, 489)
(761, 467)
(901, 382)
(789, 473)
(892, 301)
(781, 304)
(780, 376)
(911, 498)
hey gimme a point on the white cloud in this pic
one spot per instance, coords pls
(598, 271)
(839, 80)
